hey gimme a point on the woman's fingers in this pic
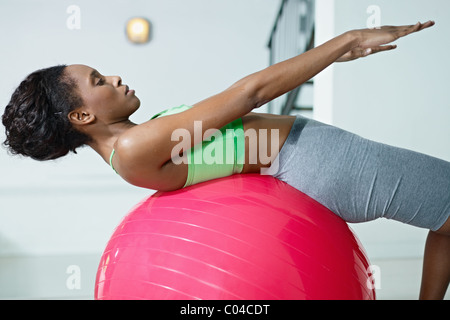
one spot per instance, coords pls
(402, 31)
(364, 52)
(367, 52)
(427, 25)
(415, 28)
(382, 48)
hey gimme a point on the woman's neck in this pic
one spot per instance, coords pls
(103, 139)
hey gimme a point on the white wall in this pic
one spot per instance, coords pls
(400, 98)
(68, 208)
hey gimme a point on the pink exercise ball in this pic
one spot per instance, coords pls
(246, 236)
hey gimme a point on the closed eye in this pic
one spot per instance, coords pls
(100, 82)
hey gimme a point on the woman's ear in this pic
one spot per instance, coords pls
(81, 117)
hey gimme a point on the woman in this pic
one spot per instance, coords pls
(59, 109)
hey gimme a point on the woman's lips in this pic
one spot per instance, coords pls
(128, 91)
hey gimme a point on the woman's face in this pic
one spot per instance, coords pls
(103, 96)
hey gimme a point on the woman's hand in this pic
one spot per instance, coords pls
(376, 40)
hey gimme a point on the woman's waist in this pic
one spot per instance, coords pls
(265, 135)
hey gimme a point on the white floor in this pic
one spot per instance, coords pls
(53, 278)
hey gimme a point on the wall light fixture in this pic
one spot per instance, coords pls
(138, 30)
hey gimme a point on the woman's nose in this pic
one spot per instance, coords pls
(116, 81)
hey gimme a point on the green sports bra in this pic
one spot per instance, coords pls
(220, 156)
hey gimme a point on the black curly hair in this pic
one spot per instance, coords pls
(36, 118)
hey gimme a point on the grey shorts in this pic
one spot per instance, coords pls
(362, 180)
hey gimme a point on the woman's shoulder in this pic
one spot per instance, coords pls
(141, 156)
(132, 145)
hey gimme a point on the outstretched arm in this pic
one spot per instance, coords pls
(144, 151)
(261, 87)
(285, 76)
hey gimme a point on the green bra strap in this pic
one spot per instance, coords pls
(110, 160)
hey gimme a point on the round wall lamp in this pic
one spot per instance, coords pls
(138, 30)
